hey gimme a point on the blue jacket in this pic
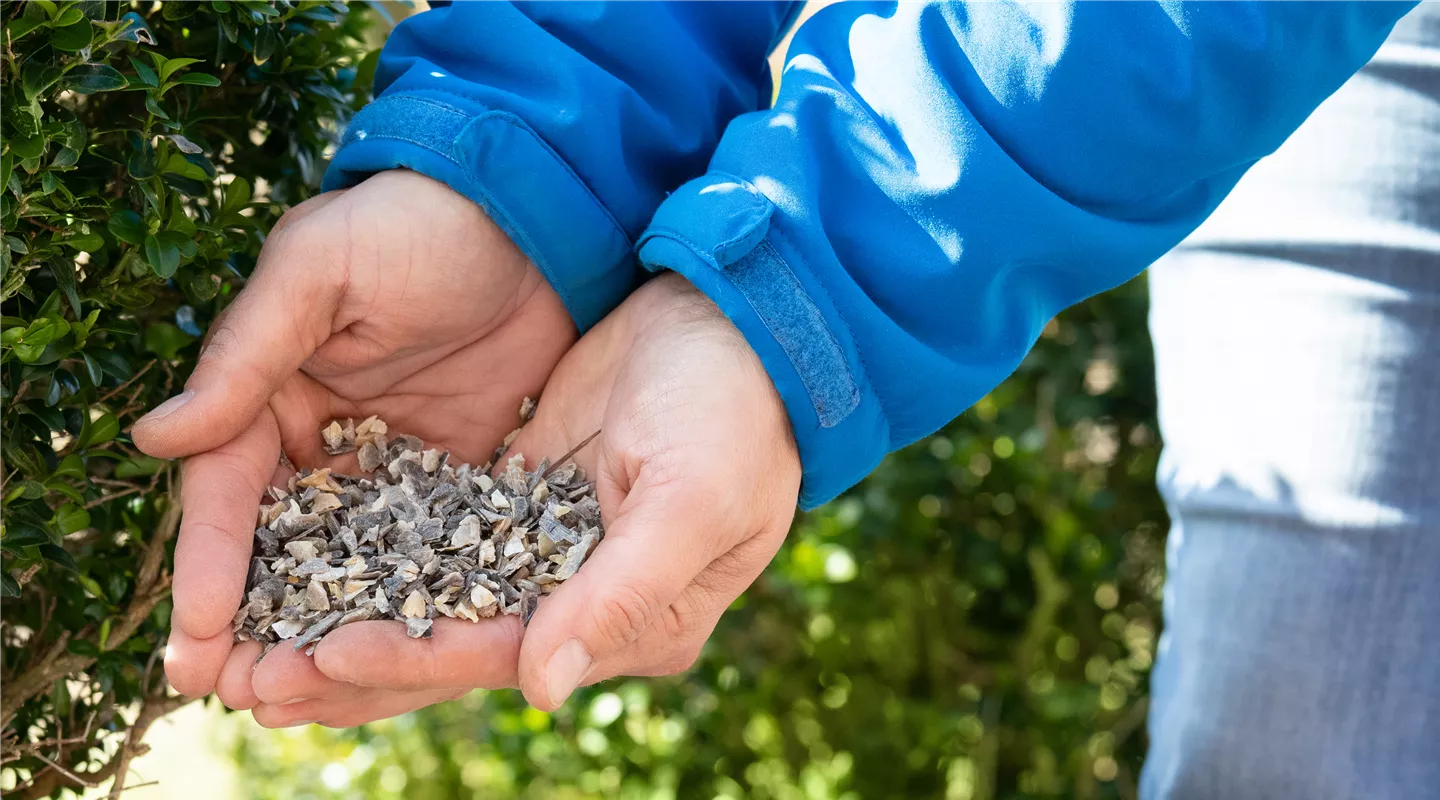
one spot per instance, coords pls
(932, 184)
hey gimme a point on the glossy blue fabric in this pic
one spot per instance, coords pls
(933, 183)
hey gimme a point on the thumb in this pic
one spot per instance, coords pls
(284, 313)
(661, 539)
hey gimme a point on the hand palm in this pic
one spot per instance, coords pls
(397, 298)
(689, 420)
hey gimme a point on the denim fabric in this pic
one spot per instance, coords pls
(1297, 338)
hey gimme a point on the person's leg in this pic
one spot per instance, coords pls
(1297, 341)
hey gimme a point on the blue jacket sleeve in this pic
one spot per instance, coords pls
(936, 181)
(568, 122)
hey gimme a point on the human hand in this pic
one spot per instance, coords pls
(697, 476)
(398, 298)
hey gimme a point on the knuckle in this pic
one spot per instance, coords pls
(220, 342)
(622, 613)
(675, 621)
(427, 666)
(678, 660)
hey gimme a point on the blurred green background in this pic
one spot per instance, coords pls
(975, 620)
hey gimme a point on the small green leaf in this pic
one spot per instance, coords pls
(237, 196)
(179, 222)
(67, 157)
(99, 430)
(70, 518)
(92, 78)
(64, 271)
(90, 585)
(141, 164)
(27, 147)
(52, 395)
(180, 241)
(198, 79)
(188, 186)
(144, 73)
(69, 16)
(60, 556)
(93, 369)
(22, 26)
(204, 286)
(23, 534)
(128, 227)
(9, 587)
(71, 466)
(84, 647)
(112, 363)
(117, 585)
(173, 65)
(75, 36)
(267, 41)
(37, 77)
(163, 257)
(31, 490)
(138, 467)
(177, 164)
(154, 108)
(165, 340)
(89, 242)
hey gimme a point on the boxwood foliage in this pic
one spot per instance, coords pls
(146, 150)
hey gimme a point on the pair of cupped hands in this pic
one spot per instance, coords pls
(400, 298)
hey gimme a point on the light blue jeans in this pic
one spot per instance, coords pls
(1297, 339)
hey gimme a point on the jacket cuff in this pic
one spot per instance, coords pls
(728, 239)
(497, 160)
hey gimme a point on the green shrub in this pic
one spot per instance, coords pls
(146, 150)
(975, 620)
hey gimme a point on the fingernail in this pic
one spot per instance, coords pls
(168, 407)
(297, 723)
(567, 667)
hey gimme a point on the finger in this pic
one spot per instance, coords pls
(460, 655)
(671, 649)
(565, 419)
(286, 675)
(661, 539)
(220, 493)
(284, 313)
(369, 706)
(193, 665)
(234, 688)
